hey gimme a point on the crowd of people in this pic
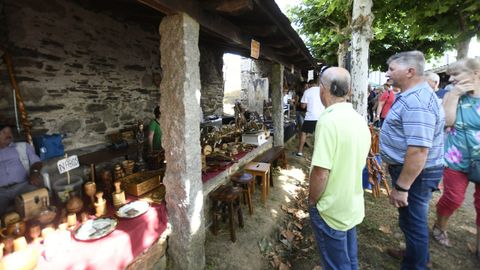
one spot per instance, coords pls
(426, 134)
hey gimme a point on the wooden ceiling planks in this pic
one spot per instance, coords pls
(240, 21)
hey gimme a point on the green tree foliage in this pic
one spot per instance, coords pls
(399, 25)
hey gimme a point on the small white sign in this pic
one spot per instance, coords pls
(68, 164)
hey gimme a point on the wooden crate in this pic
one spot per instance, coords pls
(141, 182)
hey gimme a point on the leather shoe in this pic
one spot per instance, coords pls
(396, 253)
(400, 253)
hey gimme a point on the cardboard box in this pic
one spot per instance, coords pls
(254, 138)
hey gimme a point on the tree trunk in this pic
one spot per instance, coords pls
(361, 36)
(462, 48)
(342, 53)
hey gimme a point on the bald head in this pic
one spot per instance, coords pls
(433, 80)
(337, 81)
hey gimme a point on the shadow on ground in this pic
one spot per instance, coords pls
(279, 236)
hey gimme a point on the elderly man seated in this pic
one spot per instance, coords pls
(19, 169)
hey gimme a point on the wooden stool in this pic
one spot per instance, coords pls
(226, 198)
(262, 170)
(245, 180)
(273, 156)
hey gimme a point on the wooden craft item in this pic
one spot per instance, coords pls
(141, 182)
(47, 215)
(8, 245)
(127, 166)
(118, 172)
(47, 231)
(100, 205)
(11, 217)
(14, 229)
(63, 216)
(34, 233)
(20, 243)
(26, 124)
(84, 217)
(107, 180)
(74, 204)
(118, 196)
(90, 189)
(30, 204)
(72, 220)
(92, 172)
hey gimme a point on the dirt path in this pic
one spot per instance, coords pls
(279, 235)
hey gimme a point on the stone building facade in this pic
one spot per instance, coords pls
(85, 72)
(211, 74)
(81, 73)
(255, 80)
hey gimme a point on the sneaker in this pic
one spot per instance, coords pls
(440, 236)
(298, 154)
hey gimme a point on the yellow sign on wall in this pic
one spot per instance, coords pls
(255, 49)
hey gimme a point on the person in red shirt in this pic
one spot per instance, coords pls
(385, 103)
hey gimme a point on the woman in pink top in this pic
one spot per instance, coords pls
(385, 103)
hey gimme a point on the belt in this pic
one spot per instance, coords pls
(9, 185)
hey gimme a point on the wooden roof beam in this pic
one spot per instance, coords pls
(232, 7)
(214, 23)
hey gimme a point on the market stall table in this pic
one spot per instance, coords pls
(116, 250)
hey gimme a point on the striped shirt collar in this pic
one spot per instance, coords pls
(413, 89)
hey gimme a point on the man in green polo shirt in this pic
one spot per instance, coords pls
(342, 143)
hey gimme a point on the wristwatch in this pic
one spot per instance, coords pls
(399, 188)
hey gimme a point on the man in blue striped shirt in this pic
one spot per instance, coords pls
(411, 143)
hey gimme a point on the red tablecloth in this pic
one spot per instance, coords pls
(115, 251)
(209, 175)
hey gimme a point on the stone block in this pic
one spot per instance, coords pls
(71, 127)
(96, 107)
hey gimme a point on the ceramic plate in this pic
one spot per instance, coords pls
(133, 209)
(95, 229)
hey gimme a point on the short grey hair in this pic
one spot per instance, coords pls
(432, 76)
(411, 59)
(338, 84)
(467, 64)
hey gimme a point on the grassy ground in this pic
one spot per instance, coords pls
(279, 236)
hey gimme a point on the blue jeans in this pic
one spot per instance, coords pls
(413, 219)
(338, 249)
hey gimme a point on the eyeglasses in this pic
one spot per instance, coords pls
(322, 70)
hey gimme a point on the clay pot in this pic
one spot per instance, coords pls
(74, 204)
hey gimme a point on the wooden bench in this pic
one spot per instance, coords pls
(272, 156)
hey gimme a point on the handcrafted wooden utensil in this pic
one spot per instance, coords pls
(118, 196)
(100, 205)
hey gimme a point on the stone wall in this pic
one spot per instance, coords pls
(211, 74)
(81, 72)
(255, 83)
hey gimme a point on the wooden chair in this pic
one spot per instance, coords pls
(245, 180)
(226, 200)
